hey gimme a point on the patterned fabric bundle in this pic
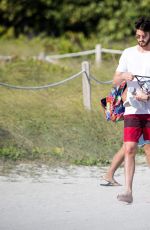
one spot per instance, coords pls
(113, 104)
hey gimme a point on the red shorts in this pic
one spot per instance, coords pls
(135, 125)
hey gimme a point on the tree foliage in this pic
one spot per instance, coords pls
(109, 18)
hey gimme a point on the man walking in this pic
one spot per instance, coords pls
(134, 67)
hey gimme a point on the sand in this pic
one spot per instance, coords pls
(41, 198)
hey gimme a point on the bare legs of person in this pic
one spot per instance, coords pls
(116, 162)
(129, 166)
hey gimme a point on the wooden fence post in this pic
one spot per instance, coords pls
(98, 54)
(86, 86)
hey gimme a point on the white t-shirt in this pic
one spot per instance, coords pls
(137, 63)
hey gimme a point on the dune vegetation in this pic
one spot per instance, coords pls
(51, 125)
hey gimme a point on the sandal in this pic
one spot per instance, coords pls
(110, 183)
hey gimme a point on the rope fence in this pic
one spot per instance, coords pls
(100, 82)
(41, 87)
(86, 84)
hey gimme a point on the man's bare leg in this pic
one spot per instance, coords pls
(130, 151)
(116, 162)
(147, 152)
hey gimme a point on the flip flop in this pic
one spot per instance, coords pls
(110, 183)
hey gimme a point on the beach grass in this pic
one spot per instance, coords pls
(51, 125)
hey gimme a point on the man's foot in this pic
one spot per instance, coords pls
(126, 197)
(109, 182)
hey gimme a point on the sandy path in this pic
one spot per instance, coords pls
(39, 198)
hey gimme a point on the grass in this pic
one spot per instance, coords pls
(51, 126)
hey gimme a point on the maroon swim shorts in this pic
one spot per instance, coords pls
(135, 125)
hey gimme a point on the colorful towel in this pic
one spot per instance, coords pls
(113, 104)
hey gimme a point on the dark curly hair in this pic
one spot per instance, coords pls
(143, 24)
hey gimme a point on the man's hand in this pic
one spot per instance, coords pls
(127, 76)
(141, 96)
(120, 76)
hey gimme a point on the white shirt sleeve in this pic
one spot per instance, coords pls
(122, 66)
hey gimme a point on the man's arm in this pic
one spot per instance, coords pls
(122, 76)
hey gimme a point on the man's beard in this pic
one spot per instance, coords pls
(143, 43)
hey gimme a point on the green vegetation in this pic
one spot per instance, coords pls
(51, 125)
(107, 18)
